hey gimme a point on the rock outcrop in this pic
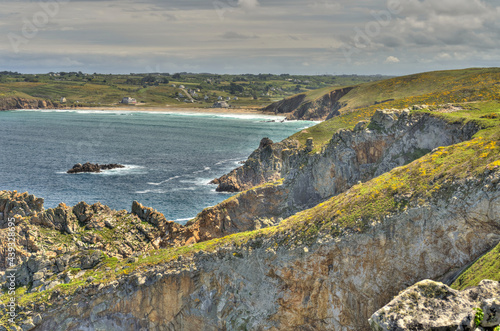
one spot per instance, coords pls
(430, 305)
(64, 229)
(299, 108)
(331, 283)
(23, 103)
(91, 167)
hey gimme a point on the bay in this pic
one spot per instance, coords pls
(169, 157)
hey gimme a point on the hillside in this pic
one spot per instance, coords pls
(324, 233)
(431, 88)
(184, 90)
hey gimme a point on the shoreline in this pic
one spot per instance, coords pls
(228, 111)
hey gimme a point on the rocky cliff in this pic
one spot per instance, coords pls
(299, 107)
(346, 227)
(391, 139)
(24, 103)
(290, 278)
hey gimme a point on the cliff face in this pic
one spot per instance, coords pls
(298, 108)
(23, 103)
(390, 140)
(333, 283)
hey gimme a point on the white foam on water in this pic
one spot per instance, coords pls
(200, 171)
(164, 181)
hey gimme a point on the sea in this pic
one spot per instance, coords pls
(169, 157)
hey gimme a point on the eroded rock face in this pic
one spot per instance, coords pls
(23, 103)
(298, 108)
(391, 139)
(430, 305)
(332, 284)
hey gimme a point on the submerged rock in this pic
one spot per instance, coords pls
(91, 167)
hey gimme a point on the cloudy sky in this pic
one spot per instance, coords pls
(249, 36)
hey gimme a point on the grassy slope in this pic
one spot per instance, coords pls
(486, 267)
(110, 89)
(425, 179)
(433, 88)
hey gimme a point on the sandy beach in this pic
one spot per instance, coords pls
(241, 111)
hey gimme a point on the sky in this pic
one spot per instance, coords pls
(392, 37)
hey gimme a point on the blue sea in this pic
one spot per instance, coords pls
(169, 157)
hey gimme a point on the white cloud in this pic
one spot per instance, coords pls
(391, 59)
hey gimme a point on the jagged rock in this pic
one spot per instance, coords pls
(90, 167)
(90, 260)
(265, 142)
(60, 218)
(430, 305)
(491, 310)
(148, 214)
(22, 204)
(385, 119)
(309, 144)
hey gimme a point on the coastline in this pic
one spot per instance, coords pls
(228, 111)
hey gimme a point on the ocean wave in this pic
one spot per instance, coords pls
(130, 169)
(164, 181)
(183, 221)
(200, 171)
(164, 191)
(228, 161)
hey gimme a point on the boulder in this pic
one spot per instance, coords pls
(491, 310)
(385, 119)
(430, 305)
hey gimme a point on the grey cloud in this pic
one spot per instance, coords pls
(236, 35)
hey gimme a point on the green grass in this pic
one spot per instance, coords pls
(486, 267)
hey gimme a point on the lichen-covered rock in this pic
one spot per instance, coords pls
(491, 311)
(430, 305)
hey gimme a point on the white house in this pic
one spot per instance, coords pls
(63, 100)
(129, 101)
(220, 104)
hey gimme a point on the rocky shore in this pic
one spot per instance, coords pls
(23, 103)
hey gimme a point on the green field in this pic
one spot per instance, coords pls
(158, 90)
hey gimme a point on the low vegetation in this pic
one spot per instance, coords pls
(161, 89)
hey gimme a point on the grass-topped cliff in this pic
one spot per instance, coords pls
(326, 267)
(431, 88)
